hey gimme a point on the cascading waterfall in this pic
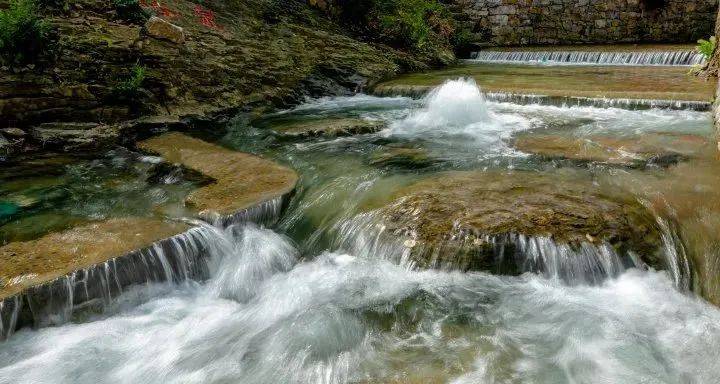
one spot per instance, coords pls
(263, 316)
(179, 258)
(670, 58)
(584, 264)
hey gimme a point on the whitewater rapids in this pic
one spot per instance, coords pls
(265, 317)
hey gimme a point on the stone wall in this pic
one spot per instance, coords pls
(539, 22)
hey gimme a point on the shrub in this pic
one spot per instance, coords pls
(130, 89)
(130, 11)
(401, 23)
(707, 47)
(23, 34)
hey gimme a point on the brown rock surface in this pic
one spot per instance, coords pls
(241, 180)
(29, 263)
(330, 127)
(161, 29)
(462, 206)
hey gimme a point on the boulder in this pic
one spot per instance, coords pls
(161, 29)
(240, 181)
(405, 158)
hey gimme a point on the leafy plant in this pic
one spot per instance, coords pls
(707, 47)
(23, 34)
(130, 88)
(413, 24)
(130, 11)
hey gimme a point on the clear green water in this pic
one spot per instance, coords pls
(57, 192)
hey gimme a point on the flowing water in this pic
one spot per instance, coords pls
(668, 58)
(50, 194)
(323, 296)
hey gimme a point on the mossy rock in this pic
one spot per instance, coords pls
(451, 217)
(329, 127)
(404, 158)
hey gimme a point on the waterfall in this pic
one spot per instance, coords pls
(598, 102)
(662, 58)
(176, 259)
(581, 264)
(559, 101)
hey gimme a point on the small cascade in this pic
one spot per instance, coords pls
(583, 264)
(176, 259)
(265, 213)
(660, 58)
(561, 101)
(597, 102)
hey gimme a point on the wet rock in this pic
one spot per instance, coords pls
(452, 218)
(29, 263)
(16, 133)
(653, 149)
(406, 158)
(161, 29)
(330, 127)
(74, 136)
(241, 180)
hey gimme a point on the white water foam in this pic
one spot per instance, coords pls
(342, 319)
(457, 109)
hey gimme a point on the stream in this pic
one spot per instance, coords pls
(323, 295)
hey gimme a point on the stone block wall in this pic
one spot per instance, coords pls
(542, 22)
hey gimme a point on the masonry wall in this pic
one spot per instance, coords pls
(540, 22)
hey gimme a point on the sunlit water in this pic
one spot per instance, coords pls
(316, 300)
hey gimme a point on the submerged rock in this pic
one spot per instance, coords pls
(454, 218)
(241, 180)
(658, 149)
(330, 127)
(406, 158)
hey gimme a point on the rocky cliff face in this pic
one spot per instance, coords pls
(195, 61)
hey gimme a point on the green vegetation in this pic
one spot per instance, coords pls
(413, 24)
(130, 11)
(24, 36)
(130, 89)
(707, 47)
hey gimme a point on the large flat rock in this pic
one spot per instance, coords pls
(659, 148)
(31, 263)
(468, 207)
(242, 180)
